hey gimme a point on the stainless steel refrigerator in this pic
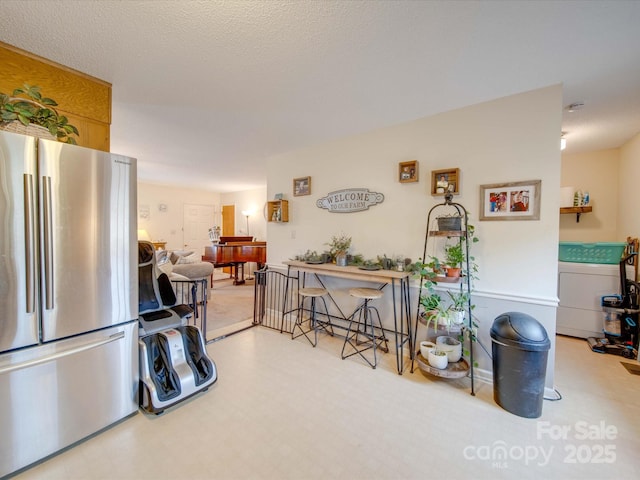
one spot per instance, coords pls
(68, 295)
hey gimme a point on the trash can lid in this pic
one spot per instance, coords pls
(517, 329)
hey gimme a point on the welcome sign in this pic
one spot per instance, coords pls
(350, 200)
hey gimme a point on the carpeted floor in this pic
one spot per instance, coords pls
(229, 306)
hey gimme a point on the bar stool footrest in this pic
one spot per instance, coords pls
(315, 324)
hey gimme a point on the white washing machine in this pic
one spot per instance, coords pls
(581, 287)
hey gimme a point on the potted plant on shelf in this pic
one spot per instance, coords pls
(451, 346)
(458, 306)
(27, 111)
(338, 248)
(436, 313)
(438, 359)
(435, 265)
(449, 222)
(431, 302)
(454, 258)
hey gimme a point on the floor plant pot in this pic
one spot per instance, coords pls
(438, 359)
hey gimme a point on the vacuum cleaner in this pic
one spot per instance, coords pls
(620, 313)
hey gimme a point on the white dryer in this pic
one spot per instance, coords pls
(581, 287)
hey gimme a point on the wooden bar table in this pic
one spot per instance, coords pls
(401, 323)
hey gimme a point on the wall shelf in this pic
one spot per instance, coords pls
(577, 210)
(278, 211)
(447, 233)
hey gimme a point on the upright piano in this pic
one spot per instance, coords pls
(234, 252)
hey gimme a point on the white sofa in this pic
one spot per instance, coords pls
(183, 265)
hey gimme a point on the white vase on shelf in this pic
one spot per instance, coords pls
(425, 348)
(438, 359)
(451, 346)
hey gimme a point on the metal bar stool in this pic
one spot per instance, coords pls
(314, 323)
(361, 333)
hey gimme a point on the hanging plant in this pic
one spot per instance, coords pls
(27, 106)
(449, 222)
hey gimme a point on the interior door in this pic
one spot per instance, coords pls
(197, 220)
(228, 220)
(228, 225)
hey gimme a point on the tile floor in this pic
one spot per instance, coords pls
(284, 410)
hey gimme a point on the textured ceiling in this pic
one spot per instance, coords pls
(205, 91)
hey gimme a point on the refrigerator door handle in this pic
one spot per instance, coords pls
(29, 239)
(64, 353)
(48, 242)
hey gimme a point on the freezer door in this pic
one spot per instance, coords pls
(88, 239)
(56, 394)
(18, 246)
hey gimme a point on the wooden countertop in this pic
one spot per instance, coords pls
(349, 272)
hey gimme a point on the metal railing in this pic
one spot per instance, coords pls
(275, 302)
(194, 293)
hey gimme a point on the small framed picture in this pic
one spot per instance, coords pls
(510, 201)
(408, 171)
(301, 186)
(443, 181)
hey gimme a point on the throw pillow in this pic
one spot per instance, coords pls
(175, 255)
(192, 258)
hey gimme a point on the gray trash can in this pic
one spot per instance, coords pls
(520, 347)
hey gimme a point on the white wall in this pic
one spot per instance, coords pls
(249, 200)
(597, 173)
(629, 176)
(167, 225)
(611, 177)
(506, 140)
